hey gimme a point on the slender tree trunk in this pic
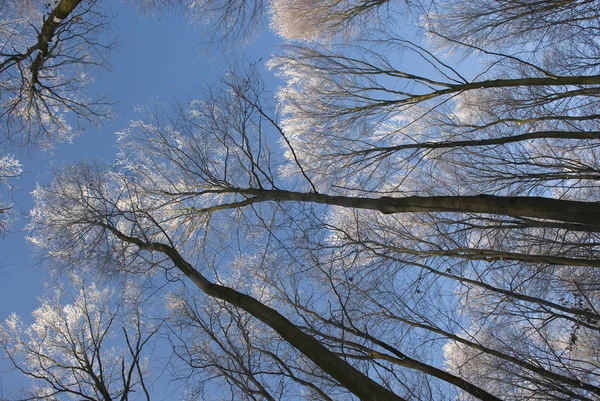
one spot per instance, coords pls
(489, 255)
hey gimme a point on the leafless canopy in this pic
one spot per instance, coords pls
(392, 226)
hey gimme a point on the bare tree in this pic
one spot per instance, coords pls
(325, 20)
(415, 216)
(67, 351)
(172, 190)
(223, 348)
(228, 23)
(525, 126)
(47, 51)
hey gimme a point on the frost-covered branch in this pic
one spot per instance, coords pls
(67, 351)
(45, 59)
(10, 169)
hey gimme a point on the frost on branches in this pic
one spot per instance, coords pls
(324, 20)
(10, 169)
(393, 225)
(48, 49)
(85, 342)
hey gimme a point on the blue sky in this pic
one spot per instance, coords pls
(157, 60)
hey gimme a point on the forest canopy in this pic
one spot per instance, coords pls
(412, 215)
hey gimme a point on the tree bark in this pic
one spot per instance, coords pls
(52, 22)
(586, 213)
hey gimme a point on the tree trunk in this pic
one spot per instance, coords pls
(586, 213)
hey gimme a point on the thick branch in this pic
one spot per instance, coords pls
(506, 83)
(52, 22)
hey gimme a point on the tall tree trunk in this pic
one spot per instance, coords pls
(585, 213)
